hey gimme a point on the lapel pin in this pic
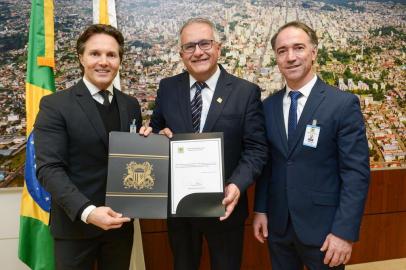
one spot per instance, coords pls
(219, 100)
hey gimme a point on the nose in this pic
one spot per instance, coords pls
(198, 51)
(291, 55)
(103, 60)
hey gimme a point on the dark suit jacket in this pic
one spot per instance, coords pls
(71, 146)
(324, 188)
(239, 116)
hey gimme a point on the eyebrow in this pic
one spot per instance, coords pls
(294, 44)
(97, 50)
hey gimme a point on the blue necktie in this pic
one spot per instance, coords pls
(292, 120)
(196, 106)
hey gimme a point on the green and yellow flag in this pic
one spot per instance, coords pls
(36, 243)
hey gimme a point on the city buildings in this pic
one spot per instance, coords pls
(362, 49)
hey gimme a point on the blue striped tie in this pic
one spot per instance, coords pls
(292, 121)
(196, 105)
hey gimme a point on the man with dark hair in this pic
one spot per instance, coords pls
(311, 194)
(299, 25)
(71, 139)
(99, 29)
(208, 99)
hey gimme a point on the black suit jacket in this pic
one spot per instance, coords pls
(239, 116)
(71, 146)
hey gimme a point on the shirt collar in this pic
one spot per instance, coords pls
(211, 82)
(93, 89)
(306, 89)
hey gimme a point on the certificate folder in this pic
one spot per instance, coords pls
(197, 203)
(137, 181)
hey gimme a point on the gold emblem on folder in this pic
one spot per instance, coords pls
(139, 176)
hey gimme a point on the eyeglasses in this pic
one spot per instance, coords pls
(204, 45)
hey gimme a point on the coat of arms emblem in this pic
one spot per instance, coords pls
(139, 176)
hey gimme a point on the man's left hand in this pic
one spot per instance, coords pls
(232, 194)
(338, 251)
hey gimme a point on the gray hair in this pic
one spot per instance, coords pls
(200, 20)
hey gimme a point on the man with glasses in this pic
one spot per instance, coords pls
(206, 98)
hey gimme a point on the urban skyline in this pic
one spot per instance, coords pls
(362, 49)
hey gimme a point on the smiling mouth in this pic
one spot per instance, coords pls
(292, 67)
(200, 60)
(102, 71)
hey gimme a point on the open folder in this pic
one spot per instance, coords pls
(142, 171)
(137, 180)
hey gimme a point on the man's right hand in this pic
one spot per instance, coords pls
(145, 131)
(105, 218)
(260, 226)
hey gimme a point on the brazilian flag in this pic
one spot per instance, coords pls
(36, 243)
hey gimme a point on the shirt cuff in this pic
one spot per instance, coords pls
(86, 213)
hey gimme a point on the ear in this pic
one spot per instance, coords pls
(219, 49)
(314, 53)
(81, 59)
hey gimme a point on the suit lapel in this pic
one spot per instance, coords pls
(183, 93)
(122, 108)
(279, 119)
(220, 96)
(315, 98)
(88, 106)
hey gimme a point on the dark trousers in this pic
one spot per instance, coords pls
(289, 253)
(186, 236)
(109, 251)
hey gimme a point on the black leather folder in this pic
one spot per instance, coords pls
(137, 181)
(200, 204)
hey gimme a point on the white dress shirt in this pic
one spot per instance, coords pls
(94, 91)
(305, 90)
(207, 94)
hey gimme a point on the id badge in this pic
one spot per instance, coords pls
(133, 127)
(311, 136)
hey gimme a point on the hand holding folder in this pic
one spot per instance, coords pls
(138, 175)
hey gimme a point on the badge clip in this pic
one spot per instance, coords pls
(133, 126)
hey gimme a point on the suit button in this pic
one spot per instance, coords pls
(289, 163)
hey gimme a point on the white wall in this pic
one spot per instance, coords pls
(9, 225)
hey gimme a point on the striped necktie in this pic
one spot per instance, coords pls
(196, 106)
(292, 120)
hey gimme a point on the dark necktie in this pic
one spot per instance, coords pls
(196, 106)
(105, 95)
(292, 120)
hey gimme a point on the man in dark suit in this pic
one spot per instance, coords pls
(71, 139)
(312, 192)
(225, 104)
